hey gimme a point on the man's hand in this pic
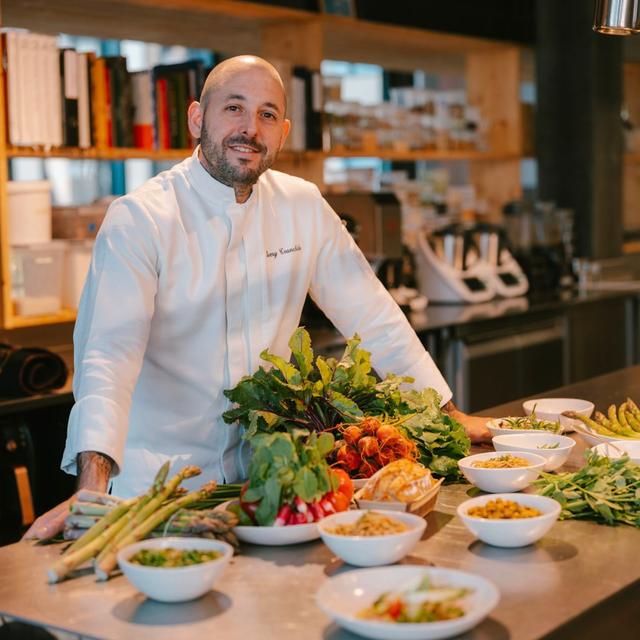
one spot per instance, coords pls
(94, 470)
(475, 426)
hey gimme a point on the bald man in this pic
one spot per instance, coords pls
(192, 276)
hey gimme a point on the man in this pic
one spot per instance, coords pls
(193, 275)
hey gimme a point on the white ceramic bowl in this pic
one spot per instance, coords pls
(277, 536)
(499, 427)
(536, 443)
(518, 532)
(631, 448)
(552, 408)
(179, 583)
(502, 480)
(371, 551)
(344, 595)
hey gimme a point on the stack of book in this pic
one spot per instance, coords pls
(64, 98)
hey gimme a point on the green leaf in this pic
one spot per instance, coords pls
(325, 444)
(290, 373)
(270, 503)
(300, 345)
(305, 485)
(325, 369)
(344, 405)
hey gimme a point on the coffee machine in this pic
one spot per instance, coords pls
(449, 267)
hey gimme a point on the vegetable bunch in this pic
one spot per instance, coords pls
(317, 394)
(620, 422)
(368, 445)
(290, 481)
(128, 521)
(604, 490)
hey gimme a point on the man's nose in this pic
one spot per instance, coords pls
(250, 124)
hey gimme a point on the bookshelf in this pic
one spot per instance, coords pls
(492, 70)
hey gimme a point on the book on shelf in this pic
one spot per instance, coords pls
(69, 101)
(176, 86)
(143, 120)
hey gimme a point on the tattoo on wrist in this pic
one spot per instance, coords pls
(94, 470)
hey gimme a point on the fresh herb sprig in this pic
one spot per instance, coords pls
(605, 490)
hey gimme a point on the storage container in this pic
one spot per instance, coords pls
(29, 205)
(36, 278)
(77, 223)
(76, 267)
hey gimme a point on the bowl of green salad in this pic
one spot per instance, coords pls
(174, 569)
(522, 424)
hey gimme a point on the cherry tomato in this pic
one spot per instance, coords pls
(339, 501)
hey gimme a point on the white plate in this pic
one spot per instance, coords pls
(552, 408)
(274, 536)
(343, 596)
(278, 536)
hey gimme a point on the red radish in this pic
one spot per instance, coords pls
(283, 516)
(298, 518)
(316, 510)
(326, 504)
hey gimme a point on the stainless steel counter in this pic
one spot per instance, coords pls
(268, 593)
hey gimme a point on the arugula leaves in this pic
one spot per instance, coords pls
(604, 490)
(316, 393)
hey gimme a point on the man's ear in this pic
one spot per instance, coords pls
(286, 127)
(194, 119)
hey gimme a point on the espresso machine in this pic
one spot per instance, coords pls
(449, 267)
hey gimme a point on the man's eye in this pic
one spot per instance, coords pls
(233, 107)
(269, 115)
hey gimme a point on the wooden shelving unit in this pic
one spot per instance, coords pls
(492, 71)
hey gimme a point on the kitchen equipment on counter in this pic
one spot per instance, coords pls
(449, 267)
(507, 276)
(540, 236)
(375, 222)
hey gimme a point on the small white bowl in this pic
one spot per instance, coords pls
(371, 551)
(499, 427)
(551, 409)
(501, 480)
(631, 448)
(518, 532)
(176, 584)
(535, 443)
(343, 596)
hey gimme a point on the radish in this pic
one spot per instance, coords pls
(283, 516)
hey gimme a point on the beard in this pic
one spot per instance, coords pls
(219, 166)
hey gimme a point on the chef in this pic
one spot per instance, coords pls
(193, 275)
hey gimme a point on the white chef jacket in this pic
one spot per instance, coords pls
(186, 288)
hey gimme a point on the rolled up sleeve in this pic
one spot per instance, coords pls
(347, 290)
(111, 333)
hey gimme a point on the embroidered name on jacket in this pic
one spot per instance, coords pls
(283, 252)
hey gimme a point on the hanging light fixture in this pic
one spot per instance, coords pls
(617, 17)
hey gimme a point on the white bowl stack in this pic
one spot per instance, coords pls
(554, 448)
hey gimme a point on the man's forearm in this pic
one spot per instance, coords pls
(94, 470)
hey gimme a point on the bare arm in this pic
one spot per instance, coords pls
(94, 471)
(475, 426)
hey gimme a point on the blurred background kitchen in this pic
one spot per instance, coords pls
(484, 155)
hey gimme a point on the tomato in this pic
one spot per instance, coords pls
(345, 485)
(249, 508)
(395, 609)
(339, 501)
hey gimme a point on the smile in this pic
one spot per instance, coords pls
(242, 149)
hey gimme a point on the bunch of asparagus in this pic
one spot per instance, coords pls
(123, 522)
(620, 422)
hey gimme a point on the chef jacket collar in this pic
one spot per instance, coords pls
(212, 188)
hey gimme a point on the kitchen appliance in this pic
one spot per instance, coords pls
(506, 274)
(617, 17)
(449, 267)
